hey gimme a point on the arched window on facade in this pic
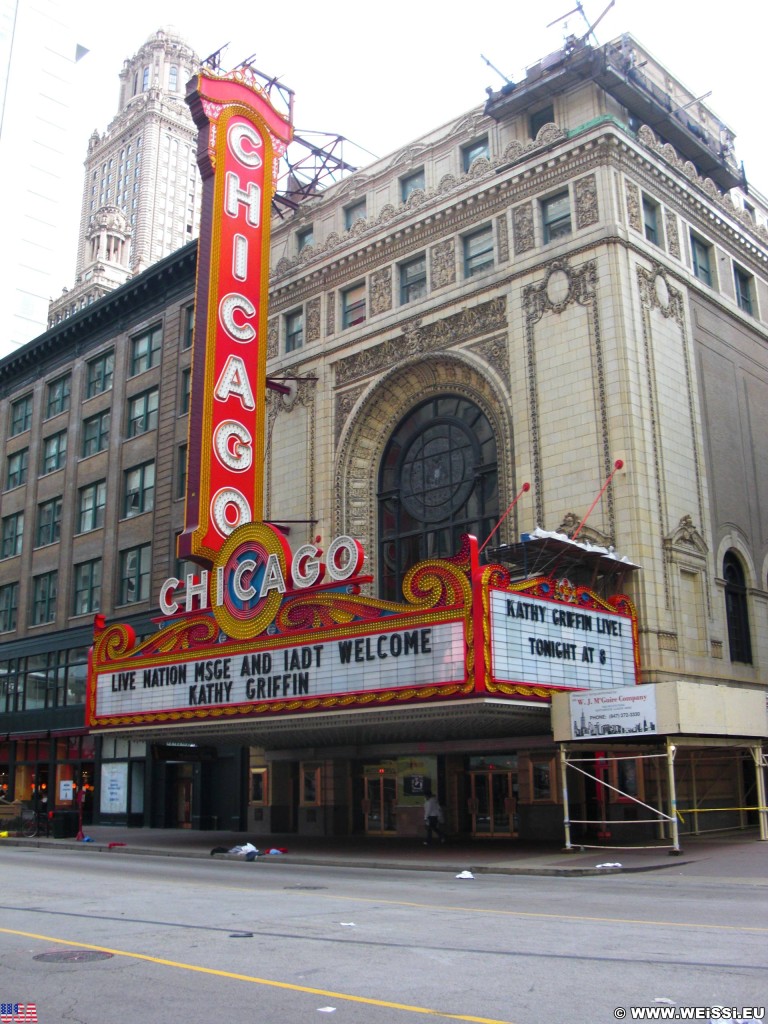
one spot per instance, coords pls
(173, 78)
(736, 612)
(438, 480)
(145, 80)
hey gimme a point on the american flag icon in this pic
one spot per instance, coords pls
(18, 1013)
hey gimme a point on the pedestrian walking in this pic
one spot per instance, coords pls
(433, 818)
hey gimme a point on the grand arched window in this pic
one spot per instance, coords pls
(736, 612)
(438, 480)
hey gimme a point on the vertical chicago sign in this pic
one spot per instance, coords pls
(241, 137)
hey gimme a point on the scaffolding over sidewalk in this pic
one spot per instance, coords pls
(668, 814)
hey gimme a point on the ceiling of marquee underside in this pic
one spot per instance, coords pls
(462, 720)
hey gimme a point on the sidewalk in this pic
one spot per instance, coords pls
(737, 856)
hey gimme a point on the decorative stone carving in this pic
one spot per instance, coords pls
(408, 156)
(548, 134)
(587, 534)
(381, 290)
(480, 167)
(442, 263)
(417, 198)
(586, 201)
(273, 337)
(561, 286)
(513, 151)
(330, 313)
(345, 403)
(495, 352)
(470, 124)
(667, 641)
(522, 228)
(418, 339)
(632, 193)
(685, 539)
(313, 320)
(502, 239)
(657, 293)
(447, 184)
(673, 238)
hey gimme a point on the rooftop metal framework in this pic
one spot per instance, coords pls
(312, 162)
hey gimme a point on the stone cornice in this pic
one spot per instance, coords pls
(406, 238)
(696, 207)
(484, 192)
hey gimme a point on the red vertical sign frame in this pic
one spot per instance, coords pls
(240, 137)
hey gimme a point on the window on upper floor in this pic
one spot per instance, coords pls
(100, 373)
(539, 118)
(413, 279)
(410, 183)
(95, 433)
(48, 522)
(92, 501)
(135, 566)
(173, 78)
(652, 220)
(17, 469)
(54, 454)
(189, 327)
(11, 535)
(58, 396)
(556, 216)
(86, 591)
(736, 611)
(44, 597)
(145, 80)
(21, 415)
(185, 396)
(143, 411)
(478, 251)
(745, 289)
(145, 350)
(139, 490)
(701, 255)
(438, 480)
(294, 330)
(354, 212)
(9, 606)
(473, 151)
(181, 471)
(304, 237)
(353, 305)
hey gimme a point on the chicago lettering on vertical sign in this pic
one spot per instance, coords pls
(241, 136)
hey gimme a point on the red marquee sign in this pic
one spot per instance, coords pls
(241, 136)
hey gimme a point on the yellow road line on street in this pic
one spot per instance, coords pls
(325, 993)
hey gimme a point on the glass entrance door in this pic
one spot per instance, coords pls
(493, 803)
(379, 801)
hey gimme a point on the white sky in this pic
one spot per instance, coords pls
(383, 75)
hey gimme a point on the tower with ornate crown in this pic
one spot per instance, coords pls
(141, 196)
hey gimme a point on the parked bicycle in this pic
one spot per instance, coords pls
(35, 823)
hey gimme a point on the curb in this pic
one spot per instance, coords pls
(337, 862)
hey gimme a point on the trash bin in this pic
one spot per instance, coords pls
(65, 824)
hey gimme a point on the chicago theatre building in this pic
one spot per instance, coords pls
(313, 516)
